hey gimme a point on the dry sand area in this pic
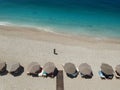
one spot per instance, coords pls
(28, 44)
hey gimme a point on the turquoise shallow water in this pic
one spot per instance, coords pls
(73, 17)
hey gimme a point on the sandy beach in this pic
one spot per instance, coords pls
(25, 45)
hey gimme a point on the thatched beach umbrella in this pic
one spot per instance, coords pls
(33, 68)
(107, 69)
(117, 69)
(85, 69)
(12, 66)
(69, 68)
(49, 67)
(2, 65)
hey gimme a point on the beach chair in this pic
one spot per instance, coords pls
(101, 75)
(77, 69)
(42, 74)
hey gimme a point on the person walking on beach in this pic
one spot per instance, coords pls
(54, 52)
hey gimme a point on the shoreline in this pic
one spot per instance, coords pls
(40, 34)
(64, 34)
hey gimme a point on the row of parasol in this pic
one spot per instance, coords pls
(85, 70)
(34, 69)
(49, 69)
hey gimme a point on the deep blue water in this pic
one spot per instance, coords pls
(79, 17)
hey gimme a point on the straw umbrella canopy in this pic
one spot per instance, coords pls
(85, 69)
(117, 69)
(107, 69)
(2, 65)
(33, 67)
(13, 66)
(49, 67)
(70, 68)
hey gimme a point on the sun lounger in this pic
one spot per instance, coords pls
(42, 74)
(77, 69)
(101, 75)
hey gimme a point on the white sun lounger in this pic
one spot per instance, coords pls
(42, 74)
(101, 75)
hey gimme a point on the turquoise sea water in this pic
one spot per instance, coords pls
(89, 17)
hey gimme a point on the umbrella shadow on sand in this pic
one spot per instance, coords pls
(18, 72)
(110, 77)
(3, 67)
(72, 76)
(54, 73)
(87, 76)
(3, 72)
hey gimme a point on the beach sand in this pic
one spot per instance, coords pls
(29, 44)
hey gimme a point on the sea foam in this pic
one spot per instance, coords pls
(5, 23)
